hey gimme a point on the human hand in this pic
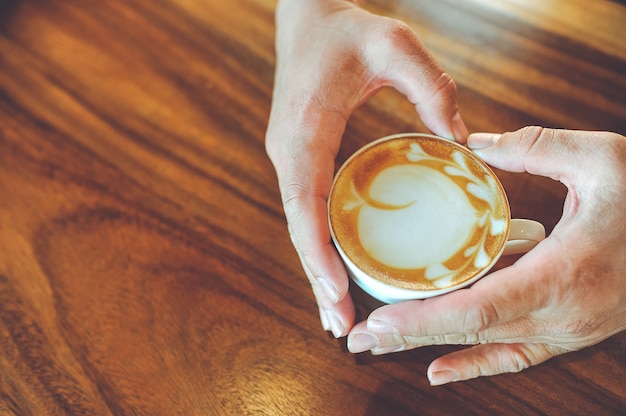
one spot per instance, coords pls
(331, 57)
(568, 293)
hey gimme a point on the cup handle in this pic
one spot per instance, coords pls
(523, 235)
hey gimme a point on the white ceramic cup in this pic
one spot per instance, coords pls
(416, 215)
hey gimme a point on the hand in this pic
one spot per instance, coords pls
(568, 293)
(331, 57)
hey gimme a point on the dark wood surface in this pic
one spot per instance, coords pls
(145, 264)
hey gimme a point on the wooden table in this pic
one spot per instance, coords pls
(145, 265)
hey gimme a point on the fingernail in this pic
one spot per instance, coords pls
(324, 320)
(380, 327)
(361, 341)
(333, 323)
(459, 130)
(440, 377)
(329, 289)
(477, 141)
(387, 350)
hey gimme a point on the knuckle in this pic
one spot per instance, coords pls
(580, 328)
(445, 87)
(479, 319)
(272, 148)
(512, 358)
(386, 39)
(399, 33)
(447, 339)
(461, 339)
(615, 153)
(517, 361)
(293, 195)
(279, 145)
(535, 140)
(393, 33)
(530, 135)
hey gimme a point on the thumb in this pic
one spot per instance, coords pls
(563, 155)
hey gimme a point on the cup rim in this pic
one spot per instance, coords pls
(391, 293)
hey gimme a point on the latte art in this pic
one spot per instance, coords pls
(394, 235)
(418, 213)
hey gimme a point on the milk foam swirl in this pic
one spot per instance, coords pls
(427, 217)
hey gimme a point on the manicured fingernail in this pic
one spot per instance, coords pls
(324, 320)
(387, 350)
(380, 327)
(459, 130)
(333, 323)
(330, 290)
(361, 341)
(440, 377)
(477, 141)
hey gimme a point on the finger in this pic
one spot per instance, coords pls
(585, 162)
(559, 154)
(306, 213)
(304, 162)
(488, 360)
(405, 63)
(498, 308)
(361, 339)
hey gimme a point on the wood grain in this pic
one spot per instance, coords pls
(145, 265)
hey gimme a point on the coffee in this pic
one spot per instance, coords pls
(418, 212)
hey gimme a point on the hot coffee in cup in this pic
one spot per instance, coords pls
(415, 216)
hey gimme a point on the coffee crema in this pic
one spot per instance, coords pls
(419, 213)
